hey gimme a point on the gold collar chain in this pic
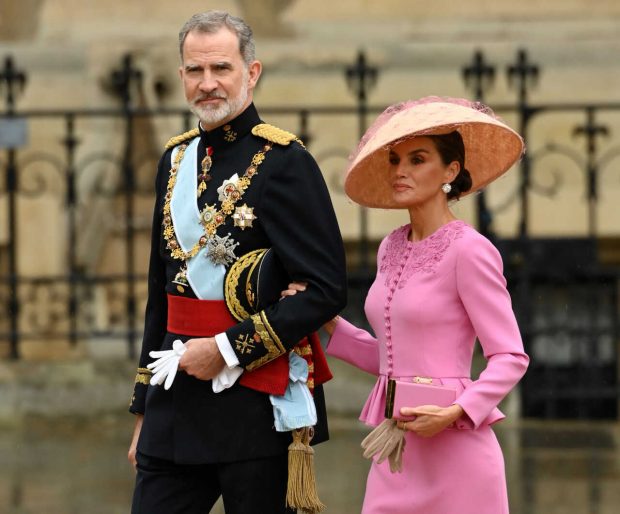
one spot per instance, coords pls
(210, 217)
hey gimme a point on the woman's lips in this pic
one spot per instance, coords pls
(400, 187)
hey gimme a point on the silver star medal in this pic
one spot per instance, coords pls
(244, 216)
(221, 250)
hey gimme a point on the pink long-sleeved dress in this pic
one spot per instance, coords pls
(428, 303)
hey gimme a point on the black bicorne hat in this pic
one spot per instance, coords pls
(253, 282)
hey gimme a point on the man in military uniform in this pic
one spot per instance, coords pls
(228, 193)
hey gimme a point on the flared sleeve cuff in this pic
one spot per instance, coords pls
(355, 346)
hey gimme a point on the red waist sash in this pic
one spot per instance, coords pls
(205, 318)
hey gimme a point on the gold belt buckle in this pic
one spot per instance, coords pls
(422, 380)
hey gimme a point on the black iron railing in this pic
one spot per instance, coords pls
(68, 305)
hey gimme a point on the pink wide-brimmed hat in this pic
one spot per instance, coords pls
(491, 146)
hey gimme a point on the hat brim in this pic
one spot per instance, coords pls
(491, 149)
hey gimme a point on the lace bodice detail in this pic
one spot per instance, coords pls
(419, 256)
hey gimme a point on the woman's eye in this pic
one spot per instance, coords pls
(393, 160)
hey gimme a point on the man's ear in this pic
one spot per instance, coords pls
(254, 70)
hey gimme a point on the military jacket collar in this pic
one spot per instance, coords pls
(224, 135)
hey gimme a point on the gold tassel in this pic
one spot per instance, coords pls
(301, 493)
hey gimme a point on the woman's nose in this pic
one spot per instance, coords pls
(398, 169)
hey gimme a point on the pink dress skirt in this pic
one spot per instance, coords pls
(454, 472)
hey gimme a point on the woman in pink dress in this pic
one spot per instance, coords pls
(439, 286)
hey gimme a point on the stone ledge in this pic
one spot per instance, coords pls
(51, 389)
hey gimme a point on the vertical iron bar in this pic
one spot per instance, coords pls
(70, 143)
(304, 134)
(591, 131)
(480, 76)
(129, 182)
(361, 78)
(524, 72)
(13, 301)
(12, 80)
(123, 81)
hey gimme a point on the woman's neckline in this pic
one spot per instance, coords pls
(439, 229)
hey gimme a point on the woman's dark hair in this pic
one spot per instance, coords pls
(451, 148)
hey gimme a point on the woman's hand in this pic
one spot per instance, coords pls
(330, 326)
(430, 419)
(293, 288)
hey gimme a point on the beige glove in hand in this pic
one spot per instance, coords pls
(386, 441)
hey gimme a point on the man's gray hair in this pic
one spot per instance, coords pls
(211, 22)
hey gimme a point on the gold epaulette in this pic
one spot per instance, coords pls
(186, 136)
(275, 134)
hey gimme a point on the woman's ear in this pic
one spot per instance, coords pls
(452, 171)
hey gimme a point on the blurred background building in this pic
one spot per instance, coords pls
(89, 94)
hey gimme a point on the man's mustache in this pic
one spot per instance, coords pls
(209, 96)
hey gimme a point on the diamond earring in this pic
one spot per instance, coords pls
(446, 188)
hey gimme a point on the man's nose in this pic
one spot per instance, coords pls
(208, 82)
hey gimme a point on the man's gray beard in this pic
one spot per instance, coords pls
(209, 116)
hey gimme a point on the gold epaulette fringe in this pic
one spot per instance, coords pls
(275, 134)
(176, 140)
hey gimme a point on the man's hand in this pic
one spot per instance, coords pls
(131, 454)
(202, 358)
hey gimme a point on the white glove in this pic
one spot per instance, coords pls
(166, 365)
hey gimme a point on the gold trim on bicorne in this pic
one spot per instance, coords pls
(232, 281)
(143, 376)
(186, 136)
(269, 338)
(250, 295)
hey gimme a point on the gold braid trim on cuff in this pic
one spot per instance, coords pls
(143, 376)
(269, 338)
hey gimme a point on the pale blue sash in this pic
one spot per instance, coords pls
(205, 278)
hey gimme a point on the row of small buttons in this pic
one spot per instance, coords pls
(386, 312)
